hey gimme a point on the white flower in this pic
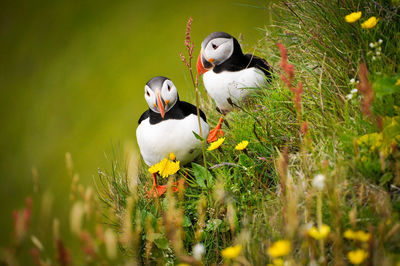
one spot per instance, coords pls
(380, 41)
(371, 45)
(352, 81)
(354, 91)
(198, 251)
(373, 58)
(319, 182)
(349, 96)
(378, 53)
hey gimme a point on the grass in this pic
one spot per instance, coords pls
(314, 158)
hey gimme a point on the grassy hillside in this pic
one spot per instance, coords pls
(317, 184)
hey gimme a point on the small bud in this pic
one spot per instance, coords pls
(352, 81)
(380, 41)
(372, 45)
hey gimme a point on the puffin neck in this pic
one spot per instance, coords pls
(236, 62)
(174, 113)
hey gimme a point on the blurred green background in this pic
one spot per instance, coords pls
(72, 78)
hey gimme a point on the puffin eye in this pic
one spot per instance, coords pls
(214, 46)
(169, 88)
(148, 94)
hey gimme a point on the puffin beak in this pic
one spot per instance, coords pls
(160, 105)
(203, 65)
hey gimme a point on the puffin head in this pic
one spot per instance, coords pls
(161, 94)
(216, 49)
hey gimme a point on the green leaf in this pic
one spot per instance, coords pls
(197, 136)
(203, 177)
(161, 243)
(387, 177)
(186, 222)
(386, 86)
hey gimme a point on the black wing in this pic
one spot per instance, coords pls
(260, 63)
(188, 109)
(144, 116)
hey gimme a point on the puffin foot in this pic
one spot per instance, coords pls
(216, 132)
(159, 190)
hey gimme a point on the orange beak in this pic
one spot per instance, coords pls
(160, 105)
(201, 69)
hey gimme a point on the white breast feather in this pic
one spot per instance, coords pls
(172, 135)
(224, 85)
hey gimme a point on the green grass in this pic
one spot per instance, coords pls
(255, 197)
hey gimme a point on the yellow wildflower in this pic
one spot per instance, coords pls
(369, 23)
(319, 233)
(215, 145)
(166, 166)
(242, 145)
(279, 248)
(359, 235)
(353, 17)
(357, 256)
(397, 83)
(172, 156)
(231, 252)
(183, 264)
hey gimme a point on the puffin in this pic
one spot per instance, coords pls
(228, 74)
(168, 126)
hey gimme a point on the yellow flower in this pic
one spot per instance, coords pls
(397, 83)
(166, 166)
(359, 235)
(357, 256)
(369, 23)
(231, 252)
(172, 156)
(215, 145)
(353, 17)
(279, 248)
(319, 233)
(242, 145)
(183, 264)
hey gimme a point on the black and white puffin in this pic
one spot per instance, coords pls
(228, 73)
(168, 126)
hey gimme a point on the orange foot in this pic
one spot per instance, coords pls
(216, 132)
(159, 190)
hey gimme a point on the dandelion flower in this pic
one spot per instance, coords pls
(397, 82)
(172, 156)
(166, 166)
(231, 252)
(369, 23)
(279, 248)
(169, 168)
(353, 17)
(359, 235)
(319, 182)
(215, 145)
(357, 256)
(319, 233)
(242, 145)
